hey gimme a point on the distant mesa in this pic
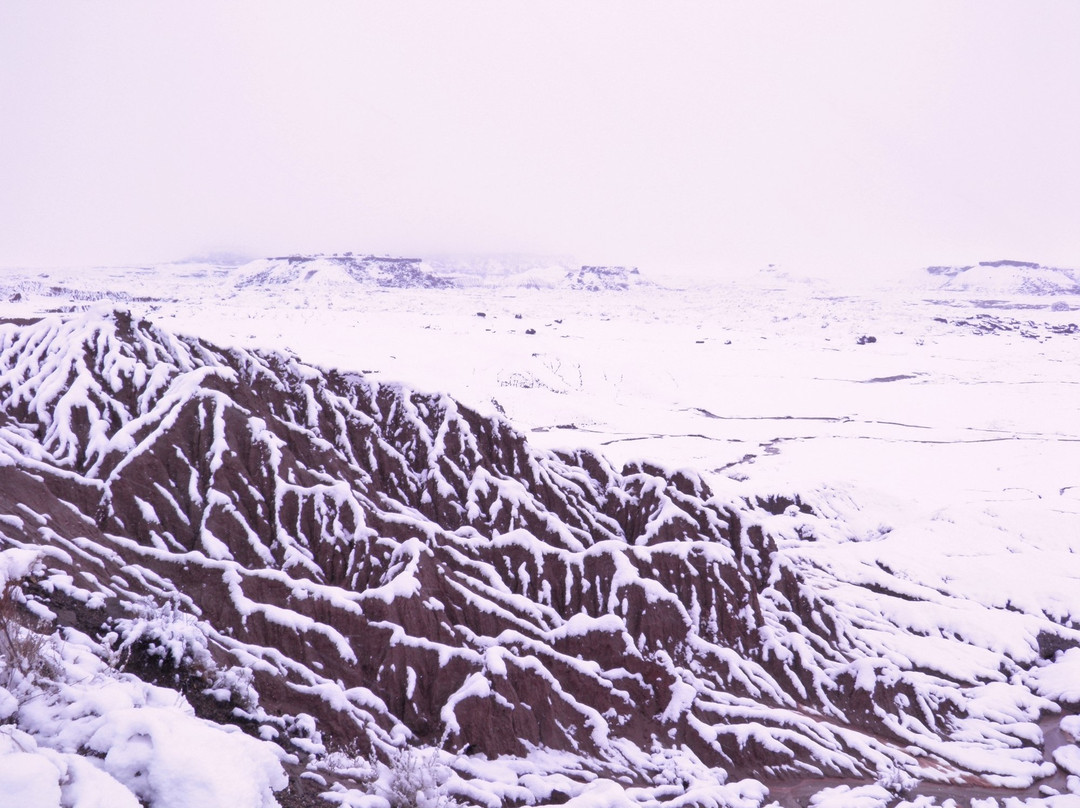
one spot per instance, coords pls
(1008, 276)
(603, 278)
(586, 278)
(1008, 263)
(302, 271)
(340, 269)
(218, 258)
(953, 271)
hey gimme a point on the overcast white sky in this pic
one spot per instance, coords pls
(860, 135)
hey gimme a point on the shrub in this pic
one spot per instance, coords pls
(175, 640)
(22, 648)
(417, 780)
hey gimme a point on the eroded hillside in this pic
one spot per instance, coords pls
(336, 564)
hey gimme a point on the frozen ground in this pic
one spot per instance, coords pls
(948, 446)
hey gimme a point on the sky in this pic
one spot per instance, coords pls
(702, 137)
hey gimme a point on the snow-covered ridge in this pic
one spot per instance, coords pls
(338, 565)
(1008, 277)
(301, 271)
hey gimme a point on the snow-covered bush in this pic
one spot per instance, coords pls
(175, 645)
(90, 737)
(350, 762)
(896, 781)
(174, 638)
(417, 779)
(23, 650)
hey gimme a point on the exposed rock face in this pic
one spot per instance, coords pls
(395, 566)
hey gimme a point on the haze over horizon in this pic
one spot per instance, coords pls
(825, 137)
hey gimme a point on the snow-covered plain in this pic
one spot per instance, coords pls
(946, 449)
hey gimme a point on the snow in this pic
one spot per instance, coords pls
(1070, 725)
(874, 796)
(145, 745)
(88, 737)
(1068, 758)
(29, 781)
(173, 762)
(1060, 680)
(16, 564)
(602, 794)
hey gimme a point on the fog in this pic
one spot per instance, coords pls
(680, 137)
